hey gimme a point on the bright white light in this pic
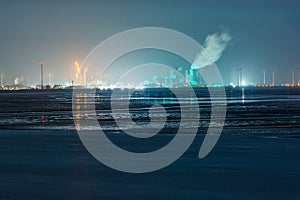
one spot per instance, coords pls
(232, 84)
(141, 87)
(67, 84)
(244, 83)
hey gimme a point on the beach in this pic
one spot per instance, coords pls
(55, 165)
(256, 157)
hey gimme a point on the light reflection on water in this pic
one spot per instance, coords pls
(54, 111)
(78, 108)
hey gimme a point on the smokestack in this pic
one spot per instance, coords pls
(264, 73)
(293, 77)
(238, 77)
(49, 78)
(233, 77)
(42, 74)
(229, 78)
(298, 76)
(273, 77)
(2, 80)
(241, 73)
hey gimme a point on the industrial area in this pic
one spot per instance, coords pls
(185, 77)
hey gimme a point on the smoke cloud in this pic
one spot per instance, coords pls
(18, 80)
(214, 47)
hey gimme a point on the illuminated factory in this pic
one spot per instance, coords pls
(188, 77)
(185, 77)
(173, 78)
(80, 80)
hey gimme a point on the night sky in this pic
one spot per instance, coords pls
(265, 34)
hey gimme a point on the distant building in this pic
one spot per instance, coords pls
(194, 77)
(47, 87)
(58, 87)
(15, 87)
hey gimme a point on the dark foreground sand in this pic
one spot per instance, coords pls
(55, 165)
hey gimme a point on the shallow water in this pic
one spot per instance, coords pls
(258, 110)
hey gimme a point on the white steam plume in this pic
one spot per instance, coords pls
(18, 80)
(214, 46)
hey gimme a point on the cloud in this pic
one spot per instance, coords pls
(214, 47)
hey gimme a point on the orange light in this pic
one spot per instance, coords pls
(42, 62)
(77, 66)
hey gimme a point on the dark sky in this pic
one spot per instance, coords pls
(265, 34)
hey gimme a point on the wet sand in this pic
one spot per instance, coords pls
(55, 165)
